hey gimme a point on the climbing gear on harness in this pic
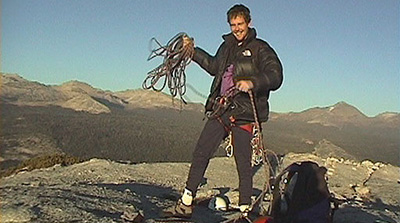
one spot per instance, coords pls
(244, 208)
(257, 148)
(253, 128)
(228, 141)
(177, 56)
(257, 143)
(221, 104)
(229, 144)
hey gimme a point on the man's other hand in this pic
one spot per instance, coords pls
(244, 85)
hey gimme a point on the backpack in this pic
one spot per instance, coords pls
(300, 195)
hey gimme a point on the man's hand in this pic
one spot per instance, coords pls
(244, 85)
(187, 41)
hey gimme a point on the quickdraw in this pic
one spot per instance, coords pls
(257, 148)
(229, 145)
(257, 144)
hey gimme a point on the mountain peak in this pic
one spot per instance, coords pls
(14, 80)
(78, 86)
(336, 115)
(389, 117)
(345, 110)
(342, 104)
(388, 114)
(76, 82)
(16, 89)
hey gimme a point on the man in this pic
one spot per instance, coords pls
(243, 65)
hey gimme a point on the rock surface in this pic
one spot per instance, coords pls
(101, 190)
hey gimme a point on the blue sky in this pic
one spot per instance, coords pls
(342, 50)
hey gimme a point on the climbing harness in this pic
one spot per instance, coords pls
(222, 103)
(256, 141)
(176, 56)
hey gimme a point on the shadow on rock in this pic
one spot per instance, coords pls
(150, 199)
(374, 212)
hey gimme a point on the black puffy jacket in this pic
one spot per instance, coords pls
(253, 60)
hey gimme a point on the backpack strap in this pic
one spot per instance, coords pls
(336, 203)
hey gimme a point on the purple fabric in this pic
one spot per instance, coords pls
(227, 81)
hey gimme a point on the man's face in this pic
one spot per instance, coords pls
(239, 27)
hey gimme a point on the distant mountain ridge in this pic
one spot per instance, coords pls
(340, 114)
(78, 119)
(81, 96)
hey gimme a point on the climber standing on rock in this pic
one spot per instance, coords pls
(244, 68)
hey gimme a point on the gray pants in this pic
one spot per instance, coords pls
(210, 138)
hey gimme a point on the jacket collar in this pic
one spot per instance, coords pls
(231, 39)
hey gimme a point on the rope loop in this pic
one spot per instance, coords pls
(171, 72)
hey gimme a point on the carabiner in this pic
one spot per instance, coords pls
(229, 147)
(229, 150)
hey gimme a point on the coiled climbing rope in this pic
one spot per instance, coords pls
(171, 72)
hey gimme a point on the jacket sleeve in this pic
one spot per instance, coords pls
(270, 76)
(206, 61)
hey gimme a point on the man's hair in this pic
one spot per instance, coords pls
(239, 10)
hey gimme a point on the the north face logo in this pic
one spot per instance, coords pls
(246, 53)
